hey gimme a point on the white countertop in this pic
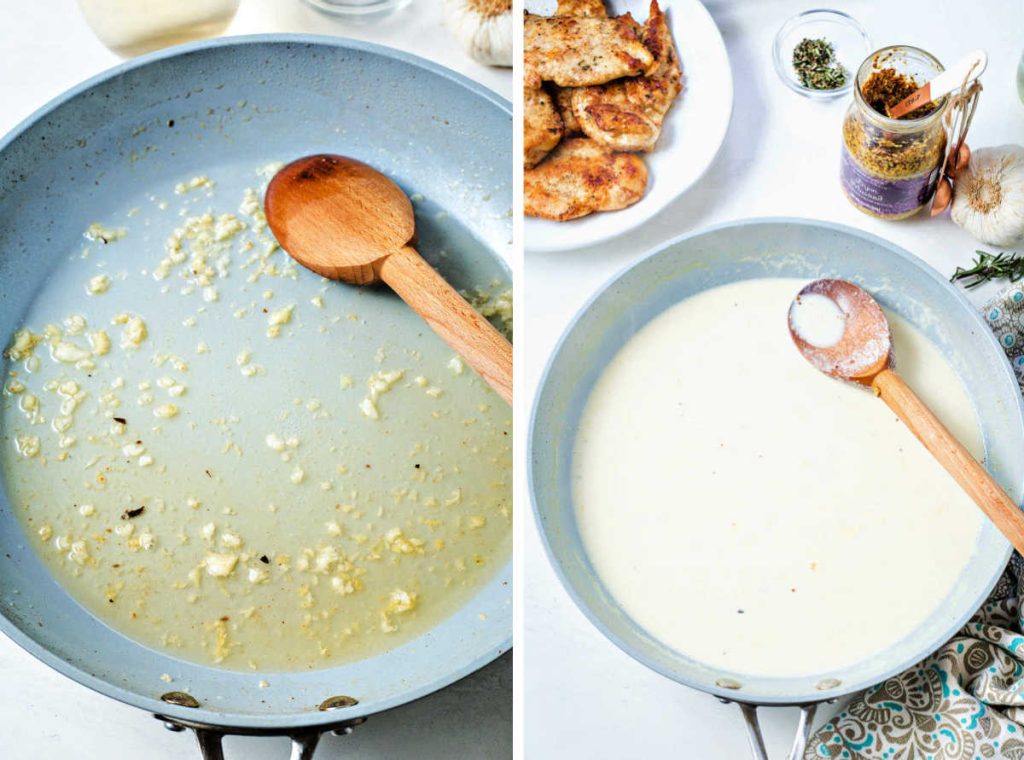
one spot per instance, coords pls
(46, 48)
(584, 698)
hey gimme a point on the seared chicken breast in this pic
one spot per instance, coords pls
(628, 114)
(563, 95)
(542, 126)
(574, 51)
(580, 177)
(563, 104)
(593, 8)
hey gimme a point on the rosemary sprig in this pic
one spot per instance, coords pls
(991, 266)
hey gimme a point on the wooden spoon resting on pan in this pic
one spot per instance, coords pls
(346, 221)
(842, 331)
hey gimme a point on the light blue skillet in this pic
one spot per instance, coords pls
(770, 248)
(225, 107)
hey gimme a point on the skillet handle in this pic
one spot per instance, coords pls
(304, 745)
(210, 743)
(304, 741)
(754, 736)
(211, 747)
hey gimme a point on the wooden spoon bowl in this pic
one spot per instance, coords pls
(338, 216)
(346, 221)
(865, 347)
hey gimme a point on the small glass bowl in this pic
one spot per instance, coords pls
(851, 43)
(357, 7)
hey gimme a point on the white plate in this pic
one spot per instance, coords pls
(693, 132)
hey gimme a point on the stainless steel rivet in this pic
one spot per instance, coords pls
(180, 698)
(336, 703)
(728, 683)
(827, 683)
(173, 727)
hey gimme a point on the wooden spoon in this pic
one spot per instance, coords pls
(863, 354)
(347, 221)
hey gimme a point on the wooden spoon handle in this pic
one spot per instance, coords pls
(952, 455)
(451, 317)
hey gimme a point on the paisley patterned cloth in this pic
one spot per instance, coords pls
(966, 701)
(1005, 315)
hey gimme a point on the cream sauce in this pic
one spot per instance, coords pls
(818, 320)
(751, 512)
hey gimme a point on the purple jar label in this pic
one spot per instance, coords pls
(885, 197)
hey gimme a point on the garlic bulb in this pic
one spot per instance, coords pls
(988, 197)
(484, 28)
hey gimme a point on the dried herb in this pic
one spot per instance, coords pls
(991, 266)
(887, 88)
(131, 513)
(892, 155)
(816, 66)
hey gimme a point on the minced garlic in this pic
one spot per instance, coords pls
(277, 319)
(201, 181)
(97, 285)
(134, 331)
(379, 382)
(401, 601)
(100, 342)
(28, 445)
(220, 565)
(68, 353)
(78, 553)
(101, 234)
(22, 345)
(166, 411)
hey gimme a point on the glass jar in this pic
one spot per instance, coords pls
(1020, 78)
(133, 27)
(357, 7)
(890, 167)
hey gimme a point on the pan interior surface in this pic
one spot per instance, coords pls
(113, 151)
(769, 249)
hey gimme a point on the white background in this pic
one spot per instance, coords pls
(46, 47)
(585, 698)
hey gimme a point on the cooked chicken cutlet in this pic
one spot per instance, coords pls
(628, 114)
(542, 126)
(594, 8)
(563, 95)
(580, 177)
(563, 104)
(573, 51)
